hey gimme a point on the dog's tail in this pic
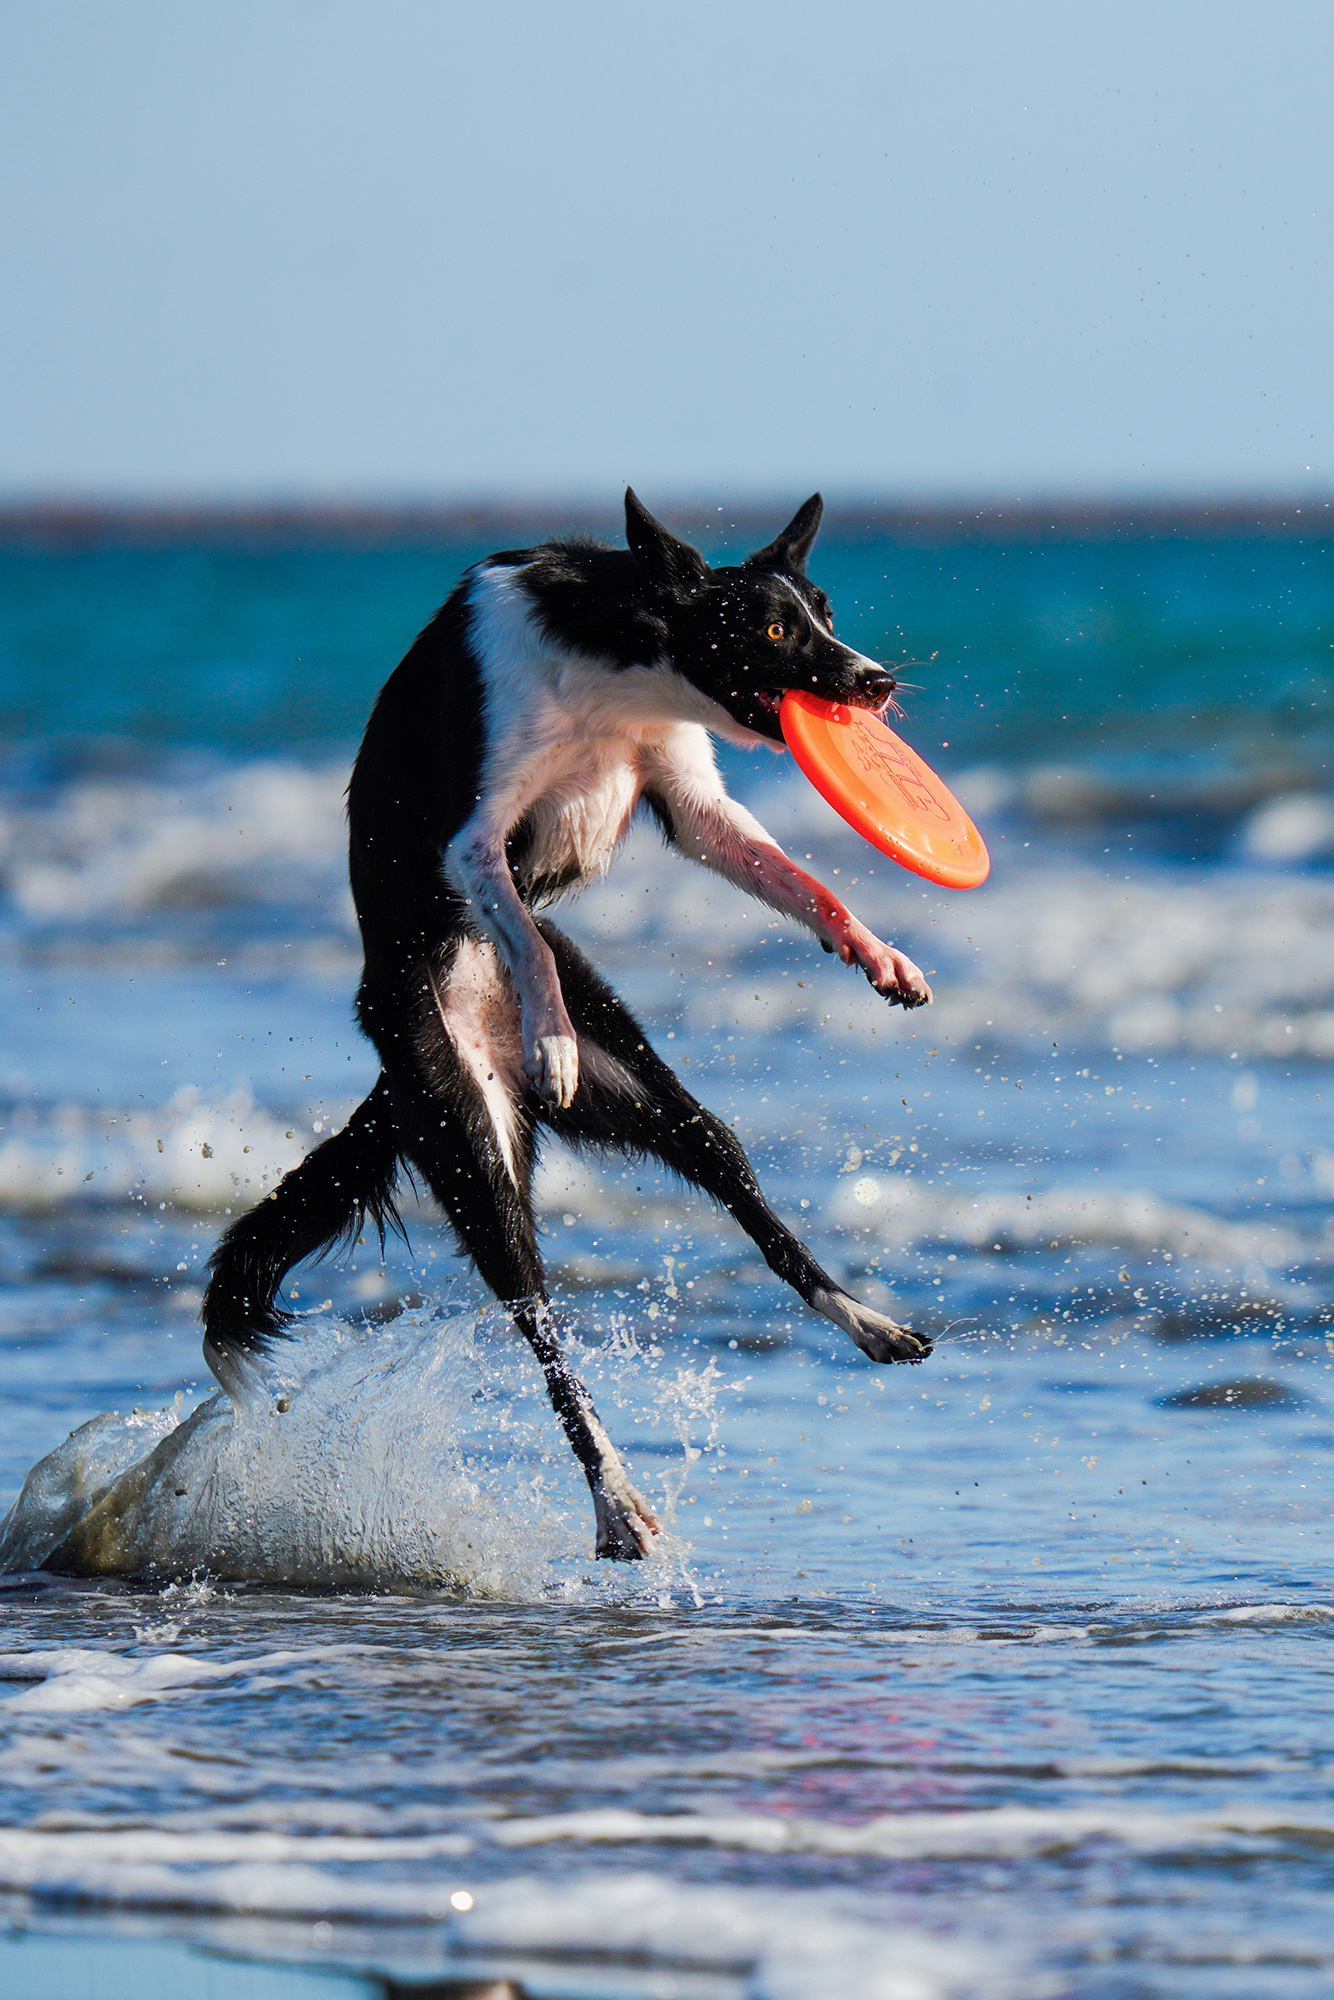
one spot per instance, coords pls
(320, 1203)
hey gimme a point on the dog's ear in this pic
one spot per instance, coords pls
(788, 551)
(667, 563)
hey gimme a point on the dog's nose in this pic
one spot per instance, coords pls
(875, 684)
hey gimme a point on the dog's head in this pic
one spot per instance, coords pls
(747, 634)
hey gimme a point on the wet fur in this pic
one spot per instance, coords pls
(559, 691)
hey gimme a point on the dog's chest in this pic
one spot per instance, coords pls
(582, 793)
(568, 738)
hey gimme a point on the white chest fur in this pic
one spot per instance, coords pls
(568, 739)
(581, 814)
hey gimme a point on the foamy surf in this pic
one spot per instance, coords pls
(1134, 1220)
(73, 1680)
(1002, 1831)
(799, 1945)
(197, 1154)
(100, 845)
(414, 1456)
(1144, 961)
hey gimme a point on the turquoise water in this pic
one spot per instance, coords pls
(1133, 650)
(1005, 1675)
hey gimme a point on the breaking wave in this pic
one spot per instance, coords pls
(193, 1153)
(1135, 1221)
(908, 1836)
(801, 1945)
(199, 835)
(1052, 945)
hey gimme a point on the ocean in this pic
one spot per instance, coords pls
(1002, 1676)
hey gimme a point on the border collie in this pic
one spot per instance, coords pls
(559, 690)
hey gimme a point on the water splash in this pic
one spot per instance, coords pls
(418, 1455)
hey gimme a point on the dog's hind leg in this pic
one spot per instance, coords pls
(624, 1523)
(344, 1180)
(629, 1099)
(467, 1129)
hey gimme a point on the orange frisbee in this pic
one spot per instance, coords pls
(884, 790)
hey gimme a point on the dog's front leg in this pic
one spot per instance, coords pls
(716, 830)
(478, 869)
(779, 882)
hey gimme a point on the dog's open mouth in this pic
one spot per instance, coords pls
(770, 699)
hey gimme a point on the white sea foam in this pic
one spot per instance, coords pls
(205, 1155)
(1150, 959)
(73, 1679)
(192, 1152)
(1146, 960)
(101, 846)
(1296, 826)
(1269, 1614)
(250, 1870)
(803, 1945)
(898, 1211)
(904, 1211)
(419, 1455)
(799, 1945)
(999, 1830)
(186, 1847)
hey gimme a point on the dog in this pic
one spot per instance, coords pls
(560, 690)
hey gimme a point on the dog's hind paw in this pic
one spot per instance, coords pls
(553, 1069)
(625, 1527)
(884, 1341)
(879, 1337)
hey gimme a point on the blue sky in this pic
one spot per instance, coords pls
(405, 249)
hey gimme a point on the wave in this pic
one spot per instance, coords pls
(800, 1945)
(1141, 957)
(797, 1944)
(1268, 1614)
(72, 1680)
(193, 1153)
(1266, 814)
(103, 846)
(1001, 1831)
(203, 1157)
(1132, 1220)
(1149, 961)
(899, 1211)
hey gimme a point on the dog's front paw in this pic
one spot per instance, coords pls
(899, 980)
(891, 972)
(553, 1069)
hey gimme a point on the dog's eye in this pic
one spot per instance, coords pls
(777, 631)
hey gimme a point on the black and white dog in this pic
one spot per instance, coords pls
(558, 690)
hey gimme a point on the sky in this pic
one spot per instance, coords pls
(414, 249)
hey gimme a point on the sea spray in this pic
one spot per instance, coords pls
(414, 1455)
